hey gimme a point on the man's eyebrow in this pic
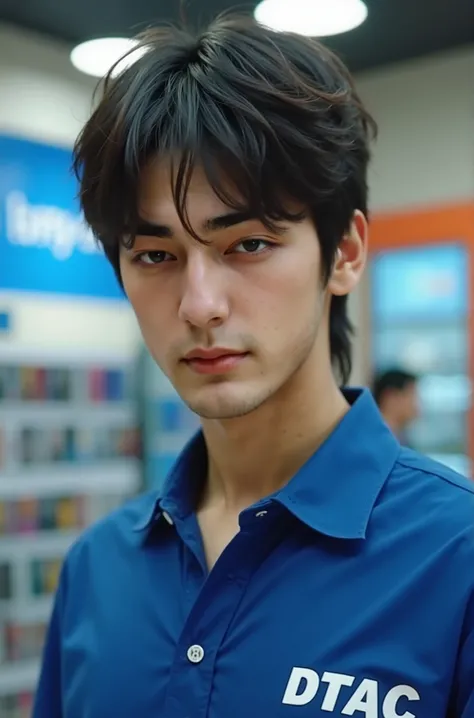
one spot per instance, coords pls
(230, 219)
(146, 228)
(150, 229)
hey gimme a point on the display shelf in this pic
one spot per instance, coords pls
(40, 543)
(37, 610)
(19, 676)
(69, 454)
(60, 412)
(120, 475)
(168, 423)
(75, 358)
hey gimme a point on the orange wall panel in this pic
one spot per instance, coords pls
(423, 226)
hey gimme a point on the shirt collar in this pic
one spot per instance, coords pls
(176, 498)
(335, 491)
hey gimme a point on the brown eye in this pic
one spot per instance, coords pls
(251, 246)
(151, 258)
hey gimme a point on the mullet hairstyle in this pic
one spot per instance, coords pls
(268, 115)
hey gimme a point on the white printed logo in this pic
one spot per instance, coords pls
(305, 685)
(44, 226)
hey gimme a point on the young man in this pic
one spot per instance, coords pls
(396, 394)
(291, 566)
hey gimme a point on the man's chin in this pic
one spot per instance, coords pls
(218, 404)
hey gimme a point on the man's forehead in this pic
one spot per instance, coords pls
(156, 192)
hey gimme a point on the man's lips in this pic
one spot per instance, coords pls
(211, 354)
(214, 361)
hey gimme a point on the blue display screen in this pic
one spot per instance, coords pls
(422, 284)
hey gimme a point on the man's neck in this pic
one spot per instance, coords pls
(255, 455)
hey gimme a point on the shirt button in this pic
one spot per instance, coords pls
(259, 514)
(195, 654)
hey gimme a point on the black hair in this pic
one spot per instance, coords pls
(274, 113)
(391, 380)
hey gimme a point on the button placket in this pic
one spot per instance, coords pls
(214, 609)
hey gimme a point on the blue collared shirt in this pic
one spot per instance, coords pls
(349, 592)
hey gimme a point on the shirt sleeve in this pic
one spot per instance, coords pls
(464, 679)
(48, 698)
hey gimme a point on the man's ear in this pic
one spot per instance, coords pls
(351, 257)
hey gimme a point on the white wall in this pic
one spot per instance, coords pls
(425, 111)
(43, 98)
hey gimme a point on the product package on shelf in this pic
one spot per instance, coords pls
(69, 453)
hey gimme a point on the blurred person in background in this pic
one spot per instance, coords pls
(290, 565)
(396, 394)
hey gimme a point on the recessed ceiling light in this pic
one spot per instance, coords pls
(97, 57)
(316, 18)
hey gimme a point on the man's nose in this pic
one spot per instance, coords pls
(204, 301)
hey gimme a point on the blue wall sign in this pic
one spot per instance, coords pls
(45, 245)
